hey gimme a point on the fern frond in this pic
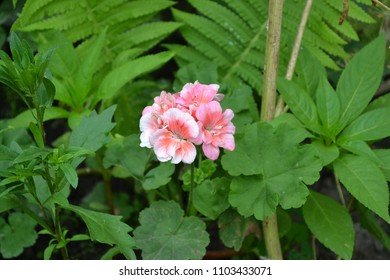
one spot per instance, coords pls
(29, 8)
(82, 20)
(354, 11)
(233, 33)
(139, 35)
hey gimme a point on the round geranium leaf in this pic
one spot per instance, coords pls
(165, 234)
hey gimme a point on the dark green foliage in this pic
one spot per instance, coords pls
(233, 33)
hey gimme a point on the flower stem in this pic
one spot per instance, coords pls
(275, 12)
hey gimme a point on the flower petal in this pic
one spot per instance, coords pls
(182, 124)
(210, 151)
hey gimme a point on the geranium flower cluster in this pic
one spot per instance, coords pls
(175, 123)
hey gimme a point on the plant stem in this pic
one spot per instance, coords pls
(107, 184)
(60, 237)
(294, 54)
(340, 191)
(381, 4)
(313, 247)
(189, 203)
(275, 12)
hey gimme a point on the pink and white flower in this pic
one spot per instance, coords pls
(151, 116)
(173, 141)
(175, 122)
(216, 129)
(193, 95)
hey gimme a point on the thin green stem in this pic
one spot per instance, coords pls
(313, 247)
(59, 234)
(294, 54)
(275, 12)
(107, 183)
(340, 191)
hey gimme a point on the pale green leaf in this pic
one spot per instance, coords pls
(158, 176)
(129, 155)
(372, 125)
(164, 234)
(234, 228)
(380, 102)
(300, 103)
(365, 181)
(360, 80)
(281, 167)
(70, 174)
(330, 223)
(328, 105)
(17, 234)
(123, 74)
(211, 197)
(327, 154)
(384, 161)
(24, 119)
(105, 228)
(91, 133)
(309, 72)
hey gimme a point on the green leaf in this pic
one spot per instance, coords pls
(17, 234)
(70, 174)
(327, 154)
(128, 154)
(241, 101)
(159, 176)
(164, 234)
(7, 203)
(370, 222)
(25, 118)
(330, 223)
(30, 154)
(45, 93)
(380, 102)
(49, 251)
(365, 181)
(91, 133)
(328, 105)
(234, 228)
(284, 222)
(384, 161)
(300, 103)
(372, 125)
(281, 168)
(204, 73)
(309, 72)
(359, 148)
(107, 229)
(211, 197)
(205, 170)
(123, 74)
(36, 132)
(360, 80)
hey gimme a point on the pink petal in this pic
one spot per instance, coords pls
(148, 121)
(209, 114)
(186, 153)
(210, 151)
(181, 124)
(164, 145)
(228, 115)
(227, 142)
